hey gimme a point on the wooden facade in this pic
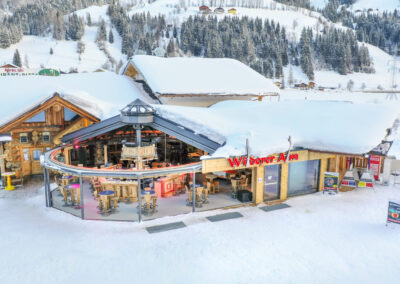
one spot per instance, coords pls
(332, 162)
(31, 137)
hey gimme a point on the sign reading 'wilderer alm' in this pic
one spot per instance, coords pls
(238, 161)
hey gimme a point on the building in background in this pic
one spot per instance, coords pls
(198, 81)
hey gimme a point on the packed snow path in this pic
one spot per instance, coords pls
(320, 238)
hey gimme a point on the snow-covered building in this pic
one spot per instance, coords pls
(37, 111)
(198, 81)
(230, 154)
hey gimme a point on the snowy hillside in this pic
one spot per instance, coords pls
(36, 51)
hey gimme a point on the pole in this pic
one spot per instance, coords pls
(48, 189)
(194, 192)
(140, 198)
(45, 186)
(81, 189)
(138, 142)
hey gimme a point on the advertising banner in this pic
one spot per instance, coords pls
(331, 181)
(366, 180)
(393, 212)
(375, 165)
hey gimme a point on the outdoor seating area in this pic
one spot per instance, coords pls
(118, 199)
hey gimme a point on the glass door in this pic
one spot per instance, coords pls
(272, 182)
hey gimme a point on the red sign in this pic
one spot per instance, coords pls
(375, 165)
(237, 161)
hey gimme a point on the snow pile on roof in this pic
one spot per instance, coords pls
(327, 126)
(101, 94)
(189, 75)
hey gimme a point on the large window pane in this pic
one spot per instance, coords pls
(303, 177)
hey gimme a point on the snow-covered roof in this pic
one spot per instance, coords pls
(190, 75)
(5, 137)
(343, 127)
(101, 94)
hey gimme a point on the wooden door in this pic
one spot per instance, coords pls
(26, 162)
(35, 161)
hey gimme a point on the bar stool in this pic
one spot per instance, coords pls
(216, 186)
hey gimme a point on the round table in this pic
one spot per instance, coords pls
(66, 177)
(105, 197)
(148, 191)
(8, 175)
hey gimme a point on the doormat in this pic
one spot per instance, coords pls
(165, 227)
(225, 216)
(274, 207)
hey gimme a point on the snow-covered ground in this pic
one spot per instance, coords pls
(321, 238)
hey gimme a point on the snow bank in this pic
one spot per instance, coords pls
(101, 94)
(327, 126)
(183, 75)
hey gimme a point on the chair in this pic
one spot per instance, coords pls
(189, 201)
(199, 191)
(211, 187)
(132, 193)
(64, 194)
(205, 194)
(154, 199)
(216, 186)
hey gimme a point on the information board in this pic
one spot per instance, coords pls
(393, 212)
(331, 181)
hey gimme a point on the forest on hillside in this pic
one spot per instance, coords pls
(262, 44)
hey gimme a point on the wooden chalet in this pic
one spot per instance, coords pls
(36, 131)
(232, 11)
(311, 85)
(204, 9)
(301, 86)
(219, 10)
(9, 65)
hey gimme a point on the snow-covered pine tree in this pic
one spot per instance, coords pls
(111, 37)
(102, 31)
(17, 59)
(58, 27)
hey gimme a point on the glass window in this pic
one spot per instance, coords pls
(23, 138)
(40, 117)
(303, 177)
(36, 154)
(46, 136)
(69, 114)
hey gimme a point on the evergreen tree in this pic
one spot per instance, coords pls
(88, 19)
(17, 59)
(171, 48)
(58, 27)
(4, 38)
(102, 31)
(111, 37)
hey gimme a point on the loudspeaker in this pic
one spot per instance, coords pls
(244, 196)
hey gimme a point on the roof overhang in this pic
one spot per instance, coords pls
(159, 123)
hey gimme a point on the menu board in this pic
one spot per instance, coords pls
(331, 181)
(393, 212)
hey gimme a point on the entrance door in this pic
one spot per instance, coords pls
(35, 158)
(272, 182)
(31, 161)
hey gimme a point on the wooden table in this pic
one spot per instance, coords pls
(9, 184)
(105, 196)
(75, 192)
